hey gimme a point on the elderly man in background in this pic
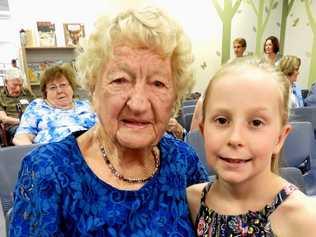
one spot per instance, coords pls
(13, 100)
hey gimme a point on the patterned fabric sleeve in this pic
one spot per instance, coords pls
(36, 198)
(28, 123)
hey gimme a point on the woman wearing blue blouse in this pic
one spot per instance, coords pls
(56, 115)
(122, 177)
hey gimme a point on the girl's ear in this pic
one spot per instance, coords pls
(285, 131)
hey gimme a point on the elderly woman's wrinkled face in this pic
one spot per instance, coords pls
(134, 97)
(59, 93)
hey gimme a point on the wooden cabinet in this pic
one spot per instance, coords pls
(36, 59)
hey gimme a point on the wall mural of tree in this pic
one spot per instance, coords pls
(262, 19)
(226, 14)
(312, 24)
(286, 9)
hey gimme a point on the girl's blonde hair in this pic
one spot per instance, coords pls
(148, 28)
(240, 67)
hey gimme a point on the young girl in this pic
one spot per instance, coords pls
(244, 124)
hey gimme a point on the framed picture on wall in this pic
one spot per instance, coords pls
(47, 34)
(73, 33)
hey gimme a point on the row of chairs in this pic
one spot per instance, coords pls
(296, 157)
(186, 113)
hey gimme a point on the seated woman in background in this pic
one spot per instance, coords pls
(271, 51)
(290, 66)
(57, 114)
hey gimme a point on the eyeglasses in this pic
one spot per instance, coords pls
(53, 87)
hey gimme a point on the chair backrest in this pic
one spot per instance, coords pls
(189, 102)
(187, 118)
(196, 140)
(10, 161)
(294, 176)
(298, 145)
(188, 109)
(304, 114)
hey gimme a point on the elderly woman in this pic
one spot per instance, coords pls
(123, 177)
(56, 115)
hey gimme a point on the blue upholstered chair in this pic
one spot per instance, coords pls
(10, 162)
(294, 176)
(298, 146)
(189, 102)
(196, 140)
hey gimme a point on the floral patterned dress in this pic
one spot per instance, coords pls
(50, 124)
(252, 224)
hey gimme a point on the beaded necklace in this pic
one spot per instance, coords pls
(155, 153)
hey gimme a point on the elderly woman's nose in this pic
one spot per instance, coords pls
(138, 99)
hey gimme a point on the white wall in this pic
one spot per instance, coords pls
(199, 18)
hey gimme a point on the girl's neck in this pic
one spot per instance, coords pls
(238, 198)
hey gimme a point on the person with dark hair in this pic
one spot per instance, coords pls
(271, 50)
(57, 114)
(13, 63)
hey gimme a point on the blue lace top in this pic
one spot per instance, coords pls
(252, 224)
(58, 195)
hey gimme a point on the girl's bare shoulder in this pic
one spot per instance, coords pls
(296, 215)
(194, 198)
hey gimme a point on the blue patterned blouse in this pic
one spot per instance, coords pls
(50, 124)
(58, 195)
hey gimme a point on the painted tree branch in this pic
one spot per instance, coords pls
(310, 16)
(268, 14)
(253, 6)
(312, 68)
(236, 6)
(226, 14)
(290, 5)
(218, 9)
